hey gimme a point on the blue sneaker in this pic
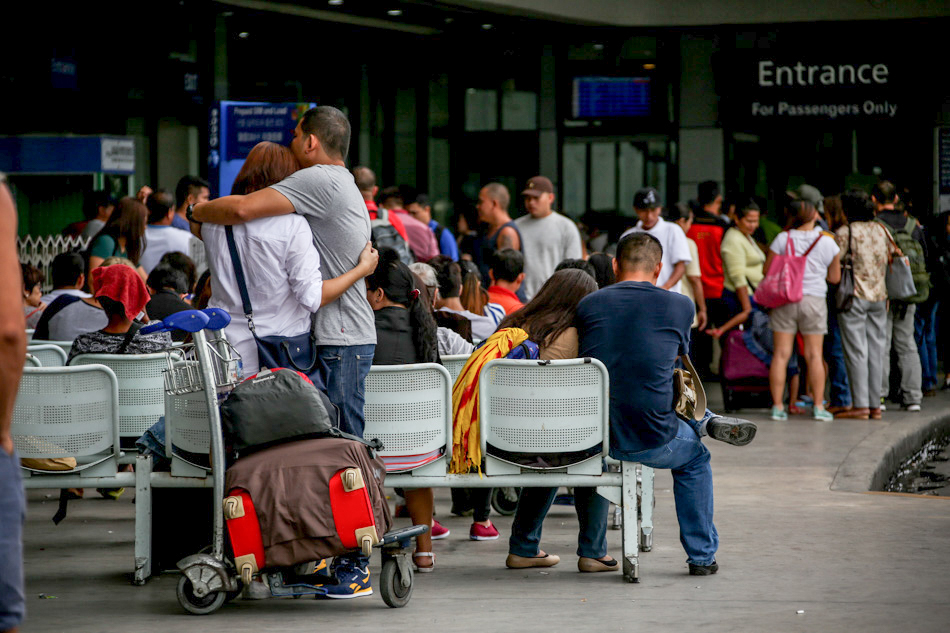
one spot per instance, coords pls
(778, 414)
(352, 578)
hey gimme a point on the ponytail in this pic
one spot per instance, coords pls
(424, 330)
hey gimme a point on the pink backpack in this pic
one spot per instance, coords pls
(783, 283)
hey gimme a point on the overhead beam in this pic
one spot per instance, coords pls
(328, 16)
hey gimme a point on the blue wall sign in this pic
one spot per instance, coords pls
(235, 127)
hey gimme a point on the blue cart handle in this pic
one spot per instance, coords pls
(190, 321)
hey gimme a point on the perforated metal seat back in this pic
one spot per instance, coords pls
(66, 412)
(48, 355)
(530, 408)
(141, 388)
(187, 424)
(409, 408)
(454, 363)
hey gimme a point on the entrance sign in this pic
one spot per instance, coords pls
(783, 89)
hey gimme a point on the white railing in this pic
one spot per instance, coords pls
(40, 250)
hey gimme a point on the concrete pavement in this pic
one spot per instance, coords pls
(803, 548)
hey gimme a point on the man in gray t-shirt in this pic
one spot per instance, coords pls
(547, 236)
(323, 191)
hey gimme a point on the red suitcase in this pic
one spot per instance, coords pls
(353, 510)
(245, 532)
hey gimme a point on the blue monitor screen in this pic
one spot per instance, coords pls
(596, 97)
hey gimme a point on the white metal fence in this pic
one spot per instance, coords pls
(40, 250)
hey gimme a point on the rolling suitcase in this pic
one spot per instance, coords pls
(743, 377)
(244, 531)
(353, 510)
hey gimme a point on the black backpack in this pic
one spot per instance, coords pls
(385, 235)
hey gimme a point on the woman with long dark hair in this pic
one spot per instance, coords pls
(405, 334)
(122, 236)
(549, 321)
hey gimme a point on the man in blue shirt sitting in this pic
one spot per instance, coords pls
(421, 210)
(639, 331)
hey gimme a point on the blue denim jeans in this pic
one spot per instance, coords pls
(533, 506)
(925, 334)
(12, 515)
(840, 388)
(343, 369)
(697, 532)
(688, 460)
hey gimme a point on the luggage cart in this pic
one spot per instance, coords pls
(209, 580)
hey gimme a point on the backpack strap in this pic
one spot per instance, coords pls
(911, 225)
(133, 330)
(813, 244)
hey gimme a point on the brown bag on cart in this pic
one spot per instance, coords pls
(290, 485)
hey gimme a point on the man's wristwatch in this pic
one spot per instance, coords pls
(190, 214)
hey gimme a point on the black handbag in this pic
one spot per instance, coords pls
(844, 295)
(297, 352)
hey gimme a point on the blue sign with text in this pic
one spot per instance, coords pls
(235, 127)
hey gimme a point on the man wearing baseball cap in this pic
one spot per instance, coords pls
(646, 204)
(548, 237)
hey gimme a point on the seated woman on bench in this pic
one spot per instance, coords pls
(405, 334)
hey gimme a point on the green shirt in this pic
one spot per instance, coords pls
(106, 246)
(742, 261)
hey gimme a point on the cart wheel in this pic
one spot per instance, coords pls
(390, 585)
(505, 500)
(195, 605)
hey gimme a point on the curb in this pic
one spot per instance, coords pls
(871, 462)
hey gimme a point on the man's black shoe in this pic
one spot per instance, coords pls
(703, 570)
(735, 431)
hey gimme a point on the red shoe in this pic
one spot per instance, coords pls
(480, 532)
(438, 531)
(795, 410)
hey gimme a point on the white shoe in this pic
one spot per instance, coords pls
(912, 408)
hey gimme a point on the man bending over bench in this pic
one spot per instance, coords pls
(639, 331)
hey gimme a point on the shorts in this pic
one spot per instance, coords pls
(808, 316)
(12, 515)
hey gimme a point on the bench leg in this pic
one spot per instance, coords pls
(143, 520)
(646, 508)
(631, 560)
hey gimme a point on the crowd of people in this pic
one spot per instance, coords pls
(378, 280)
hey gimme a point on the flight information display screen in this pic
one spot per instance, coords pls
(602, 97)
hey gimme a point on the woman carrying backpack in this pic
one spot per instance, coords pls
(809, 316)
(866, 245)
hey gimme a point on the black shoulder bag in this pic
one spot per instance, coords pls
(844, 295)
(294, 352)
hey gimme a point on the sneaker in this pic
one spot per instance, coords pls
(735, 431)
(438, 531)
(911, 408)
(256, 590)
(703, 570)
(115, 493)
(480, 532)
(930, 393)
(778, 414)
(352, 579)
(883, 406)
(822, 415)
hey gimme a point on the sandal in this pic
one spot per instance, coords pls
(427, 569)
